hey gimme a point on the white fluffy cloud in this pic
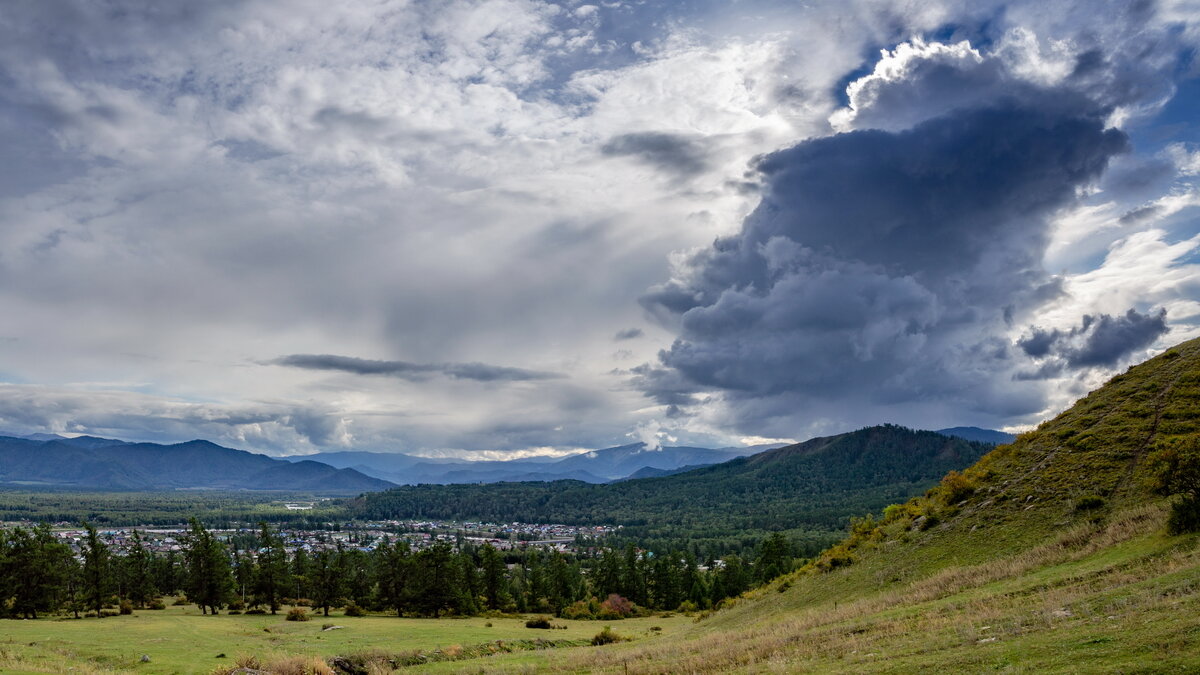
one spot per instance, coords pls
(206, 188)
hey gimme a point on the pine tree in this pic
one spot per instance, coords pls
(326, 574)
(609, 573)
(36, 570)
(774, 558)
(634, 584)
(301, 575)
(97, 575)
(492, 579)
(271, 570)
(470, 588)
(356, 571)
(209, 579)
(393, 572)
(437, 578)
(139, 572)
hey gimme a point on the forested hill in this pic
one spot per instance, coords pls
(811, 489)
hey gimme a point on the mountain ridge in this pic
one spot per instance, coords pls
(109, 464)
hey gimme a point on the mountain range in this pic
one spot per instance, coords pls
(87, 462)
(49, 460)
(595, 466)
(812, 488)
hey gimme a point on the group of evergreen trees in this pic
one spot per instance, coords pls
(39, 574)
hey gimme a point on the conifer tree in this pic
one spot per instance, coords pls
(97, 574)
(270, 578)
(492, 580)
(326, 575)
(393, 567)
(209, 579)
(139, 572)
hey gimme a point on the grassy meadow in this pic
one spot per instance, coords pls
(1117, 598)
(181, 640)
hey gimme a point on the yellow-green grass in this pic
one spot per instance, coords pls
(1117, 598)
(181, 640)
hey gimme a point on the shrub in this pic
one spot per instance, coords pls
(256, 610)
(607, 636)
(354, 610)
(618, 606)
(181, 600)
(302, 602)
(955, 487)
(297, 614)
(234, 611)
(1089, 502)
(538, 622)
(156, 604)
(126, 607)
(1176, 471)
(237, 604)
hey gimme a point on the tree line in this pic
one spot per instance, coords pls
(42, 575)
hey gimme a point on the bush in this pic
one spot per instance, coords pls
(1089, 503)
(1185, 516)
(126, 607)
(181, 600)
(955, 487)
(256, 610)
(237, 604)
(297, 614)
(233, 612)
(615, 606)
(538, 622)
(302, 602)
(354, 610)
(156, 604)
(607, 636)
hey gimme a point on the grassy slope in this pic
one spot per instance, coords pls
(1014, 578)
(180, 640)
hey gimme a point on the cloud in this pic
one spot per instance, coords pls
(447, 181)
(1102, 340)
(628, 334)
(674, 153)
(882, 267)
(480, 372)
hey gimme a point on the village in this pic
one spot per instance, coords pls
(419, 534)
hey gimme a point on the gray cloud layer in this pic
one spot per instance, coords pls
(1102, 340)
(480, 372)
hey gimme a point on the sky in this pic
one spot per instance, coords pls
(503, 228)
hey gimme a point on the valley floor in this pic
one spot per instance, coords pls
(181, 640)
(1119, 596)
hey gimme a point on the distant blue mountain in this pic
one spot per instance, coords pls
(981, 435)
(595, 466)
(108, 464)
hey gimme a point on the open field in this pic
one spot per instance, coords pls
(1118, 599)
(181, 640)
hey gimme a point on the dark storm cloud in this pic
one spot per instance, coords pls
(1102, 340)
(628, 334)
(481, 372)
(876, 259)
(675, 153)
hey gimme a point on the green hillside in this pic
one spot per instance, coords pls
(1049, 555)
(809, 489)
